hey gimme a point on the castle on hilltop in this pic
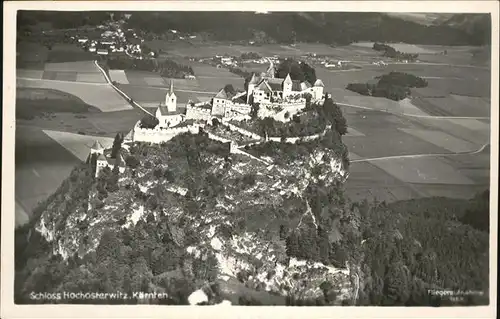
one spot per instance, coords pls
(278, 98)
(275, 96)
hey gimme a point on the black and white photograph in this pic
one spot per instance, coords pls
(251, 157)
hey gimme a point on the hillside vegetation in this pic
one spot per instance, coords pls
(188, 215)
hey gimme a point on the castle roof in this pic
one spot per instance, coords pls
(128, 137)
(223, 94)
(275, 84)
(319, 83)
(165, 112)
(305, 85)
(101, 158)
(255, 79)
(264, 86)
(97, 145)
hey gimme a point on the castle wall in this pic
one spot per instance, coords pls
(293, 140)
(159, 135)
(169, 120)
(237, 110)
(219, 108)
(198, 113)
(278, 110)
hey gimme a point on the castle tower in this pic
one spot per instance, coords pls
(251, 86)
(287, 86)
(270, 70)
(318, 89)
(171, 99)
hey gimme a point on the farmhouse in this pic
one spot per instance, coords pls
(268, 89)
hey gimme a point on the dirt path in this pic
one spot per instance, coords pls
(420, 155)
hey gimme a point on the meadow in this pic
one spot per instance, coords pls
(102, 96)
(31, 102)
(81, 71)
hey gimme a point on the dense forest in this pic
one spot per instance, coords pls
(394, 85)
(393, 53)
(325, 27)
(410, 247)
(287, 27)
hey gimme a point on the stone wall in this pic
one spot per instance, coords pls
(198, 113)
(158, 135)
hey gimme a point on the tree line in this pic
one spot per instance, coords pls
(395, 86)
(393, 53)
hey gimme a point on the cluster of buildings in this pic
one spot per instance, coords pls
(233, 61)
(268, 89)
(114, 40)
(275, 95)
(265, 89)
(104, 159)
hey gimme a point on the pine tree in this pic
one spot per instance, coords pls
(117, 145)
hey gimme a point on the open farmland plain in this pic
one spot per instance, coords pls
(103, 96)
(81, 71)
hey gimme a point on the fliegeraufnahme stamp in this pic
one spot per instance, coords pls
(454, 295)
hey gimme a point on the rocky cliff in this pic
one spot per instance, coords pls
(188, 215)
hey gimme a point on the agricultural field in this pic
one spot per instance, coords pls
(102, 96)
(403, 177)
(41, 164)
(31, 102)
(367, 181)
(82, 71)
(105, 124)
(454, 105)
(118, 76)
(34, 55)
(43, 160)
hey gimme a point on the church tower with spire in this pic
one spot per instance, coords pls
(171, 99)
